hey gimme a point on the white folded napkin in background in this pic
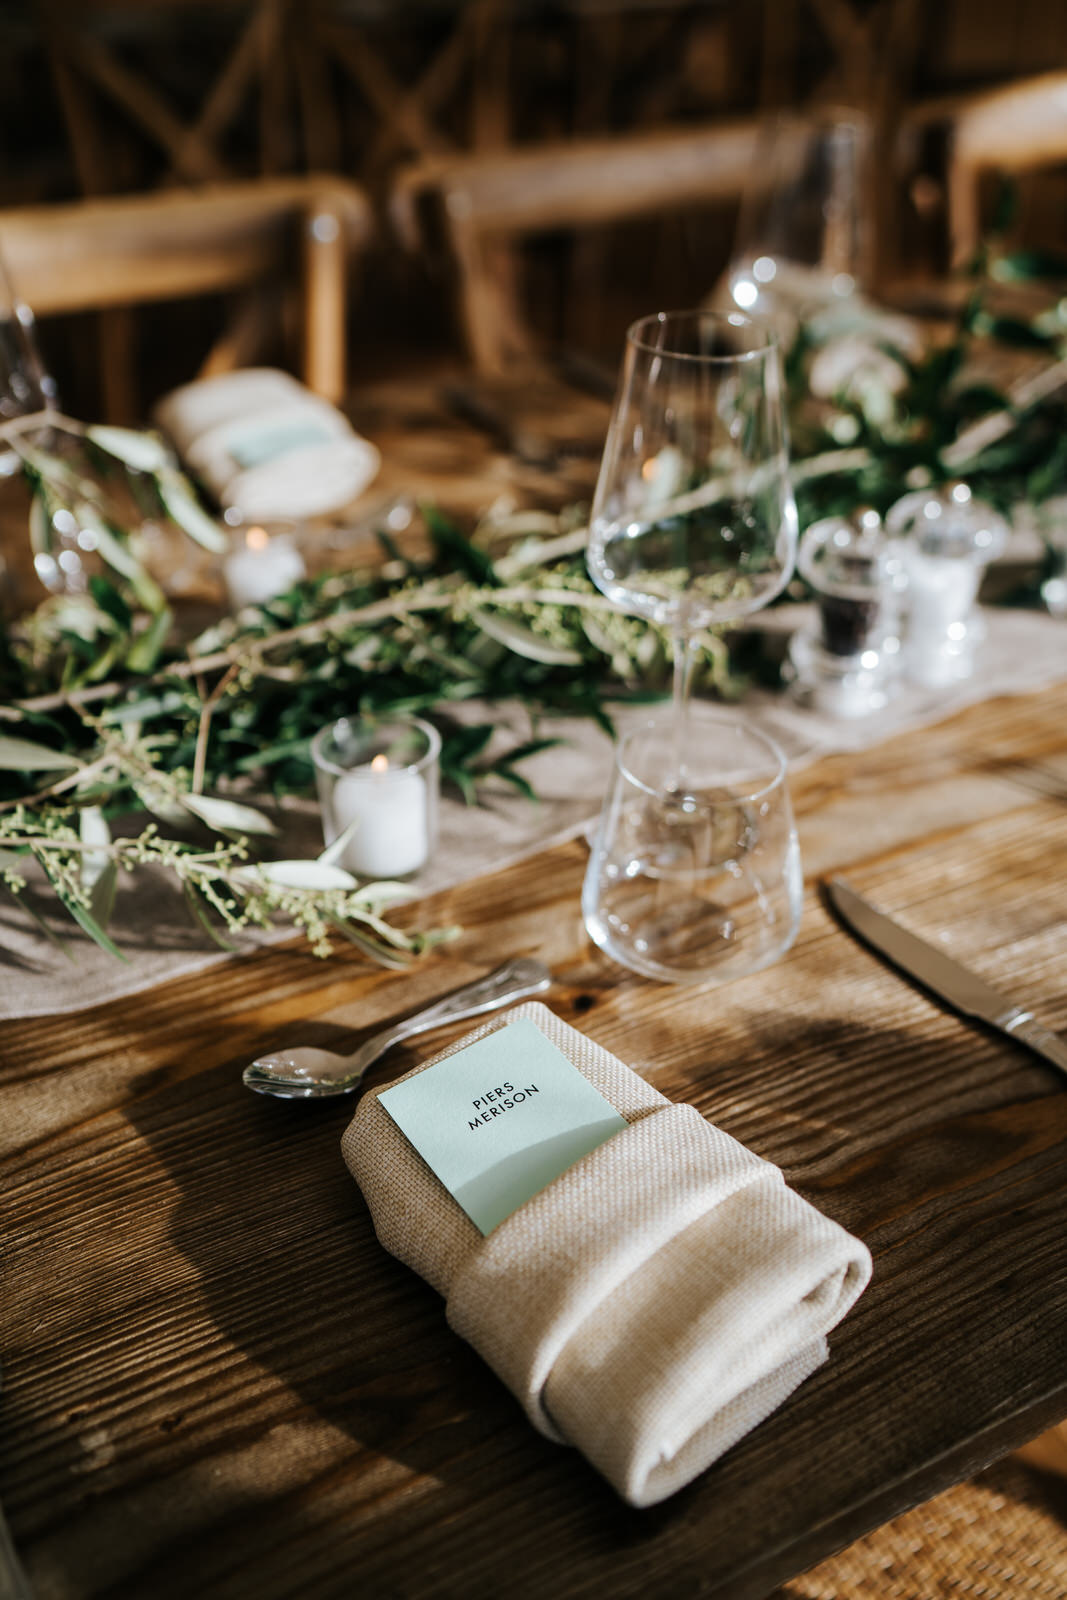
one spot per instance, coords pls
(266, 446)
(650, 1306)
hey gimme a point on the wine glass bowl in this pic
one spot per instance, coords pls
(693, 521)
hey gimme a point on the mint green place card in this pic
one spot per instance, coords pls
(499, 1120)
(261, 442)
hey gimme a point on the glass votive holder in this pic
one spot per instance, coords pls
(846, 663)
(947, 537)
(264, 561)
(698, 882)
(378, 782)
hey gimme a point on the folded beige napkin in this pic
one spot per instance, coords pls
(266, 446)
(656, 1301)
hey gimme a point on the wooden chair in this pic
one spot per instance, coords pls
(128, 250)
(489, 201)
(1011, 130)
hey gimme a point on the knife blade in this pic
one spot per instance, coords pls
(963, 990)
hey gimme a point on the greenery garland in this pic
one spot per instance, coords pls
(236, 709)
(103, 712)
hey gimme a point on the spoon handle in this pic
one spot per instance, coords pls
(510, 982)
(307, 1073)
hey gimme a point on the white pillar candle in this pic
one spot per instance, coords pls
(389, 806)
(261, 568)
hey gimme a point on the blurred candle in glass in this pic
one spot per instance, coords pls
(260, 567)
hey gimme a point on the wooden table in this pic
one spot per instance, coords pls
(217, 1383)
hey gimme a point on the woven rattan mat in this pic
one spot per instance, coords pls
(1000, 1536)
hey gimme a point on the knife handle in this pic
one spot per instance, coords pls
(1021, 1025)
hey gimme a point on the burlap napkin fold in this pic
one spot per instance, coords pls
(653, 1304)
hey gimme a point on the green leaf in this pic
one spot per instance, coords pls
(532, 747)
(198, 907)
(102, 894)
(1022, 266)
(22, 755)
(142, 451)
(85, 919)
(978, 398)
(110, 601)
(101, 666)
(336, 849)
(524, 641)
(179, 504)
(1051, 475)
(517, 781)
(117, 554)
(88, 923)
(370, 947)
(298, 874)
(464, 556)
(385, 892)
(272, 753)
(390, 548)
(145, 650)
(35, 917)
(463, 742)
(142, 710)
(1013, 331)
(40, 525)
(226, 816)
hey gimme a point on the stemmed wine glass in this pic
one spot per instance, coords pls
(693, 520)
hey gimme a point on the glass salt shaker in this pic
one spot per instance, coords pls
(947, 537)
(846, 662)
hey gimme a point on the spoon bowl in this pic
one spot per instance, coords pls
(306, 1072)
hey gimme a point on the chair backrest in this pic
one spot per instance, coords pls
(131, 249)
(1010, 130)
(486, 200)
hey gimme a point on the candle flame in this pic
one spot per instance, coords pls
(380, 763)
(257, 538)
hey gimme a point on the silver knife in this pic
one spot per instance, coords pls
(936, 971)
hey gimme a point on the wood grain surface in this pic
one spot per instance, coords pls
(217, 1383)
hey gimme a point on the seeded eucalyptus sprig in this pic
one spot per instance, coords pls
(232, 715)
(226, 894)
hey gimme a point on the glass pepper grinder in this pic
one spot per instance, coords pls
(845, 662)
(947, 537)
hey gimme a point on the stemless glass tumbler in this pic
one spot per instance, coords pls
(703, 884)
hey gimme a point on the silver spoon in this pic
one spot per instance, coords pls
(305, 1072)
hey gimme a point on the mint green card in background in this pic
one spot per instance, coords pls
(499, 1120)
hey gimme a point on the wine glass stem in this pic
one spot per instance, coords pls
(684, 653)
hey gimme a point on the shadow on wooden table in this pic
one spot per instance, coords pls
(334, 1397)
